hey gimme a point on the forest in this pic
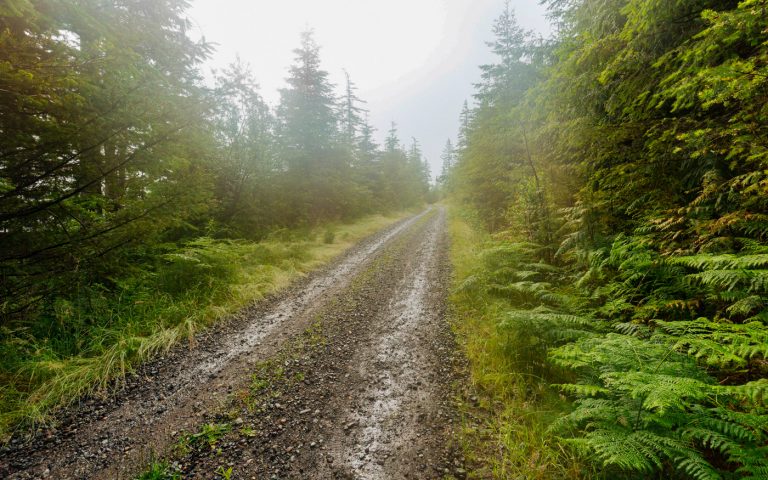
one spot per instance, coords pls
(138, 202)
(618, 176)
(606, 225)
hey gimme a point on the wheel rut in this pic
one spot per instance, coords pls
(349, 375)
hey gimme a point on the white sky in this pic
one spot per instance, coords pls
(414, 61)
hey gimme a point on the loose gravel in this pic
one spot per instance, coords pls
(350, 375)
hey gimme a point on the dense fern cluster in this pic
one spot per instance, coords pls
(622, 167)
(656, 387)
(624, 176)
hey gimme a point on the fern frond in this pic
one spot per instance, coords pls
(633, 329)
(721, 344)
(617, 448)
(697, 468)
(750, 280)
(582, 390)
(754, 392)
(723, 262)
(746, 306)
(658, 392)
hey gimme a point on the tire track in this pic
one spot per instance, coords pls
(113, 437)
(367, 394)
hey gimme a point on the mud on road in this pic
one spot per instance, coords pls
(348, 375)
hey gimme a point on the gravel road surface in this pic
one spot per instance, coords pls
(349, 374)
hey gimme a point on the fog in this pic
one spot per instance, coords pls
(414, 62)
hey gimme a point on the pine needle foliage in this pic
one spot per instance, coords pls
(642, 124)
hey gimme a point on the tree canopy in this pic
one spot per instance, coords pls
(623, 163)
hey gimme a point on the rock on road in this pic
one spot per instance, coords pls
(349, 374)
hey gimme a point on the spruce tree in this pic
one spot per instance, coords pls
(307, 106)
(245, 169)
(448, 158)
(307, 128)
(392, 142)
(351, 114)
(103, 138)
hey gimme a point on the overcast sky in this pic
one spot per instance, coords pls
(414, 61)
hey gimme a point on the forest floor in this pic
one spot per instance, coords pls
(350, 373)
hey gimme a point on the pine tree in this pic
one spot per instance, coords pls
(246, 169)
(319, 172)
(512, 74)
(495, 155)
(449, 160)
(366, 144)
(392, 142)
(465, 122)
(307, 106)
(352, 121)
(367, 166)
(112, 156)
(397, 176)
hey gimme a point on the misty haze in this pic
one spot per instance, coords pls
(346, 239)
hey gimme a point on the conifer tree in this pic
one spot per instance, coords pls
(448, 158)
(465, 121)
(366, 144)
(306, 112)
(392, 142)
(103, 138)
(351, 113)
(512, 74)
(245, 170)
(318, 171)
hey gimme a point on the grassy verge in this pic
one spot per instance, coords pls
(81, 344)
(505, 428)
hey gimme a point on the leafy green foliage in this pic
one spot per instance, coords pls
(160, 471)
(209, 435)
(225, 473)
(658, 408)
(644, 124)
(684, 396)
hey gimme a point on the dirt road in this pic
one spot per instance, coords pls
(347, 375)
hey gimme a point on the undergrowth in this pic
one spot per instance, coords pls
(78, 345)
(160, 471)
(637, 364)
(505, 435)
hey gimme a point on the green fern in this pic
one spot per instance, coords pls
(718, 344)
(659, 387)
(643, 403)
(723, 262)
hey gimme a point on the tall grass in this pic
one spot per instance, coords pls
(80, 344)
(505, 434)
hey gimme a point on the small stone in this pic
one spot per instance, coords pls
(350, 425)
